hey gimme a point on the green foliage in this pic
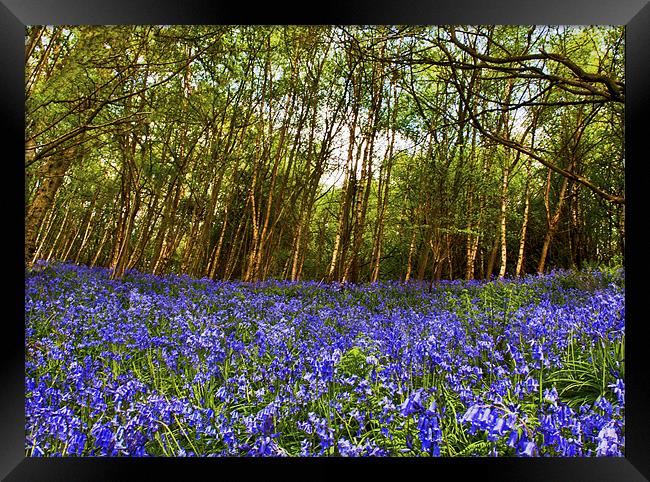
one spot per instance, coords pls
(353, 362)
(180, 132)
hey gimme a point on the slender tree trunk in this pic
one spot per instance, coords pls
(553, 223)
(503, 218)
(424, 254)
(553, 220)
(449, 257)
(68, 247)
(195, 226)
(346, 195)
(524, 225)
(148, 226)
(492, 258)
(58, 236)
(88, 229)
(202, 260)
(130, 208)
(409, 262)
(473, 238)
(542, 257)
(163, 250)
(471, 259)
(382, 198)
(214, 262)
(235, 249)
(349, 189)
(351, 271)
(100, 248)
(45, 236)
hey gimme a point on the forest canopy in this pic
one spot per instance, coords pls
(339, 153)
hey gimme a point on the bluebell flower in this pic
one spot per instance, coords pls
(608, 441)
(412, 404)
(305, 446)
(261, 356)
(551, 395)
(619, 390)
(513, 438)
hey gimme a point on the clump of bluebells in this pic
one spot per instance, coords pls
(174, 366)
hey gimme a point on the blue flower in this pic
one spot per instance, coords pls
(412, 404)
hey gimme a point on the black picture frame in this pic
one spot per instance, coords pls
(16, 14)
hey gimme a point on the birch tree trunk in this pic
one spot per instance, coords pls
(524, 224)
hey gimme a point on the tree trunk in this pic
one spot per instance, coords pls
(347, 192)
(55, 169)
(42, 240)
(382, 198)
(58, 236)
(524, 225)
(553, 222)
(100, 248)
(492, 258)
(148, 226)
(409, 262)
(214, 262)
(504, 244)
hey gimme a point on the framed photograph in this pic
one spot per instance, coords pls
(365, 240)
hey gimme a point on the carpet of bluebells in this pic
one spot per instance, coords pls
(174, 366)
